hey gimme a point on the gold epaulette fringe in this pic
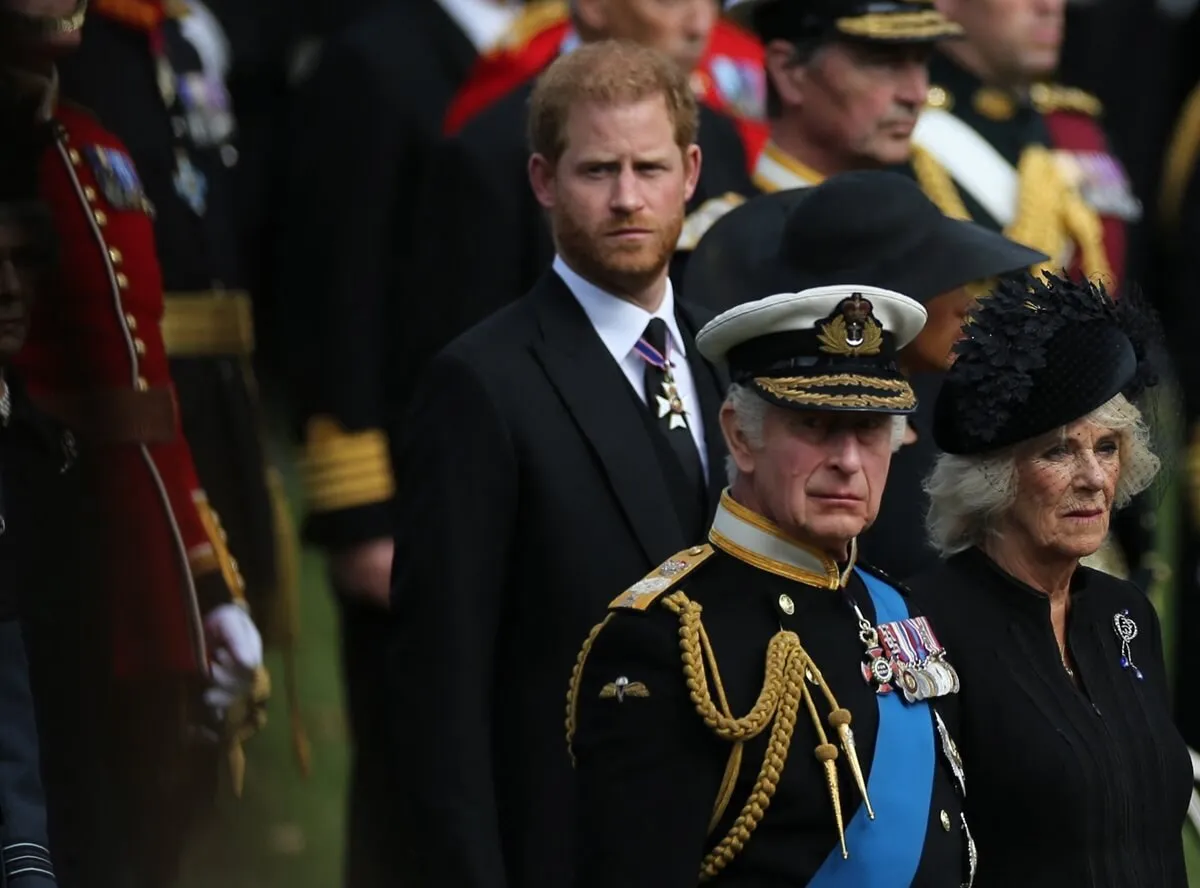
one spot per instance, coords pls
(1048, 98)
(1050, 214)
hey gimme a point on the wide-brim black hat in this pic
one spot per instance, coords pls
(1039, 354)
(869, 21)
(872, 228)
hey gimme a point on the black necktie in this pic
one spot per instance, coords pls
(664, 402)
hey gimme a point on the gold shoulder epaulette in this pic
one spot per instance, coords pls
(533, 18)
(662, 579)
(1050, 97)
(696, 225)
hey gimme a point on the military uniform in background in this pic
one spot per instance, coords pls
(152, 71)
(95, 360)
(360, 142)
(1039, 169)
(729, 77)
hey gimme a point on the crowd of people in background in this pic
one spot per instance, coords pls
(467, 255)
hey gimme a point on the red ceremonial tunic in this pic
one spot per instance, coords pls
(95, 358)
(730, 77)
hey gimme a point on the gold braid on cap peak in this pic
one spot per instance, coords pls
(789, 672)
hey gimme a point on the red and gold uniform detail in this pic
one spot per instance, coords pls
(95, 358)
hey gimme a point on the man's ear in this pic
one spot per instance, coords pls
(736, 441)
(785, 73)
(692, 160)
(541, 180)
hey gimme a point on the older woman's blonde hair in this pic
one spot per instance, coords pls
(969, 494)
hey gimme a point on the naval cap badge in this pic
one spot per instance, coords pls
(851, 329)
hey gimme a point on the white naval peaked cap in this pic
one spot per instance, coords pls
(897, 314)
(825, 348)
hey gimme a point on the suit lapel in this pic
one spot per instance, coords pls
(599, 398)
(710, 388)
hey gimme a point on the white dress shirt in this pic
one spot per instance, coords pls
(620, 324)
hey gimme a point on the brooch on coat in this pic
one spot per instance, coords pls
(1126, 630)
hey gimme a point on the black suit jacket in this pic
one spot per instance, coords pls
(485, 239)
(530, 495)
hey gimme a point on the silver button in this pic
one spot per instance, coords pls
(787, 605)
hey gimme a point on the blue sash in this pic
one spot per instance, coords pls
(885, 852)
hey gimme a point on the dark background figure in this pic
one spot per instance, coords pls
(361, 136)
(1179, 238)
(539, 468)
(37, 520)
(157, 81)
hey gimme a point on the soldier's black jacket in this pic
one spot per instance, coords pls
(650, 770)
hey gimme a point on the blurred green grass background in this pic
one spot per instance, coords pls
(287, 832)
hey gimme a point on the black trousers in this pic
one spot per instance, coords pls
(374, 835)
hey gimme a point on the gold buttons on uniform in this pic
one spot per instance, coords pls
(90, 193)
(787, 605)
(945, 821)
(139, 346)
(122, 280)
(101, 217)
(130, 321)
(115, 255)
(937, 97)
(74, 157)
(142, 385)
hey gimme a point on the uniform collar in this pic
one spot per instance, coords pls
(776, 170)
(749, 537)
(620, 323)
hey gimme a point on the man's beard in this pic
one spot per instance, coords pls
(617, 267)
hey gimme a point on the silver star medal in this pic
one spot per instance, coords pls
(671, 403)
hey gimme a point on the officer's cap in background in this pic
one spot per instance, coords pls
(820, 21)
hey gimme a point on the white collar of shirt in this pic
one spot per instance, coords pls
(483, 21)
(620, 323)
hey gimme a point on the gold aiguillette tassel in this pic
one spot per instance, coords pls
(826, 754)
(840, 719)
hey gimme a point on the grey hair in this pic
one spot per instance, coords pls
(969, 494)
(750, 408)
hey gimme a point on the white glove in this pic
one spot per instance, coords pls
(236, 651)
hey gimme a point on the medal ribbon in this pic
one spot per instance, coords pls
(653, 356)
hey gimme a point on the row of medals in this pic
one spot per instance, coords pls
(921, 680)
